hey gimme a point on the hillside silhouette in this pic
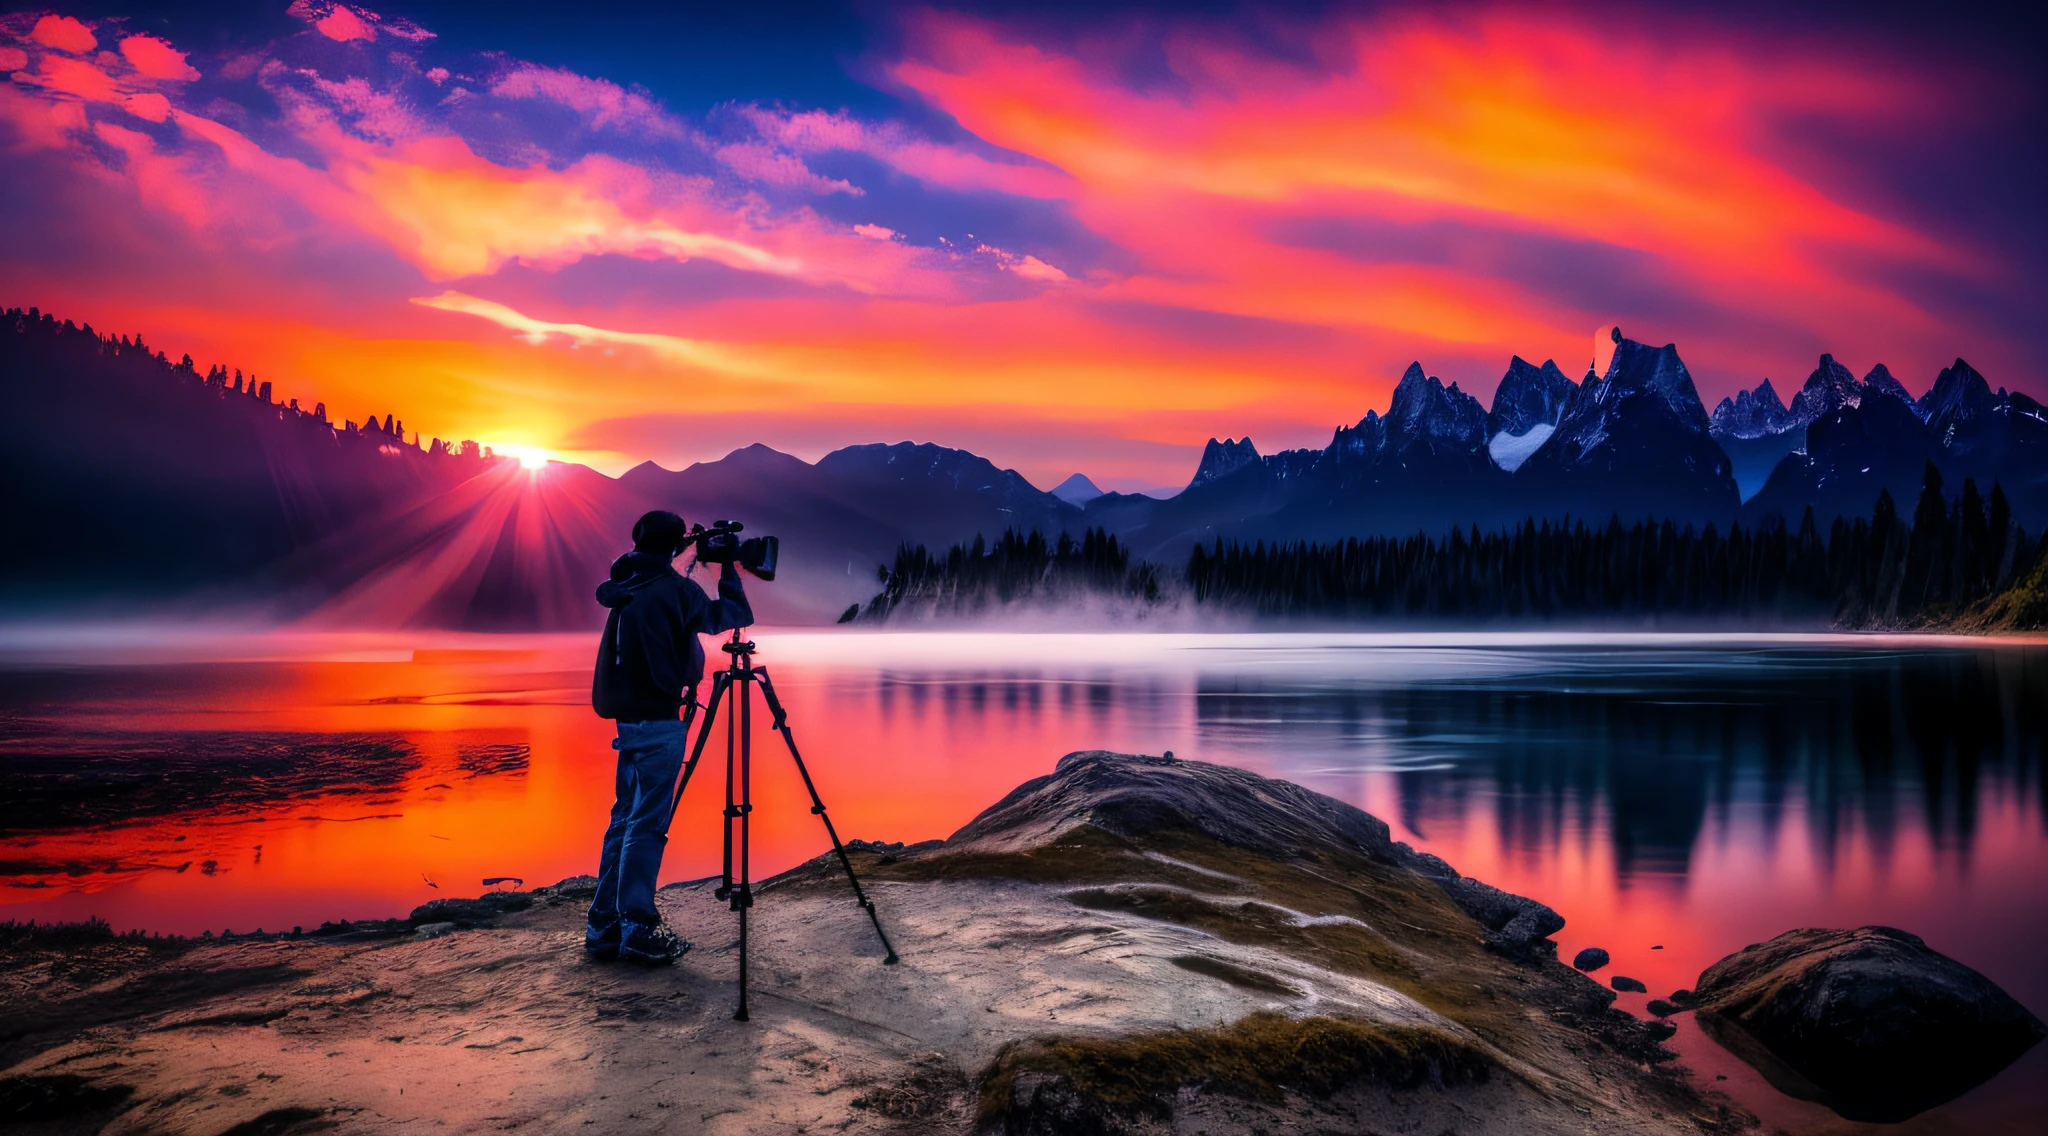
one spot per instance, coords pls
(142, 484)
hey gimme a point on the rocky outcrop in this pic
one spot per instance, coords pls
(1515, 925)
(1871, 1022)
(1138, 797)
(478, 912)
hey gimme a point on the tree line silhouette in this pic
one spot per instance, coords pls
(1019, 568)
(153, 476)
(1952, 560)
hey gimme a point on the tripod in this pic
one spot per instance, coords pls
(737, 681)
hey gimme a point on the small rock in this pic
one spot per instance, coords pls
(1591, 959)
(476, 912)
(1872, 1023)
(1661, 1008)
(1661, 1030)
(433, 930)
(1684, 999)
(1627, 985)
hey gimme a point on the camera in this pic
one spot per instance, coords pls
(721, 544)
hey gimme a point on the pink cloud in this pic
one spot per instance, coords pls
(815, 132)
(13, 59)
(1032, 268)
(603, 104)
(382, 115)
(155, 59)
(343, 25)
(761, 162)
(149, 105)
(73, 77)
(64, 34)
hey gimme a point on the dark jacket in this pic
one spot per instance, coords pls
(650, 654)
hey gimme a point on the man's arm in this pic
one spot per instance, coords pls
(731, 608)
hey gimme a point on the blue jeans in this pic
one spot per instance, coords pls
(650, 756)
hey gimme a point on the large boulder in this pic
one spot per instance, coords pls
(1136, 797)
(1872, 1022)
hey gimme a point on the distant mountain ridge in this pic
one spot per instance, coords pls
(1882, 441)
(245, 501)
(1758, 431)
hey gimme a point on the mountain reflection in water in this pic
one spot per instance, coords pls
(1693, 794)
(1662, 741)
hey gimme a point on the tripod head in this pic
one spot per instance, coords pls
(740, 648)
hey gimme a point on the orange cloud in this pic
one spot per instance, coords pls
(156, 59)
(692, 353)
(64, 34)
(1516, 122)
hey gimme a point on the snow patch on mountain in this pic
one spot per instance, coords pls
(1511, 450)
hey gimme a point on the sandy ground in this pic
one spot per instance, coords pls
(510, 1027)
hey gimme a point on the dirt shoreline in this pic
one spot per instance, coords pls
(1128, 945)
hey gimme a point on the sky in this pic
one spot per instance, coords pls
(1067, 237)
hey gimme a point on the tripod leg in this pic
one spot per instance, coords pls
(718, 685)
(743, 895)
(781, 724)
(724, 890)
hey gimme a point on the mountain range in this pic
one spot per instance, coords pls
(136, 480)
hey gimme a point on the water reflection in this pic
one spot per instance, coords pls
(1694, 794)
(1657, 744)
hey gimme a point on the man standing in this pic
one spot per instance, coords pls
(648, 666)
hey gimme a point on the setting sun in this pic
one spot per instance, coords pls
(531, 457)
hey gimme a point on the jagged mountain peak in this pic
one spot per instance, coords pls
(1635, 442)
(1221, 459)
(1639, 369)
(1958, 393)
(1527, 398)
(1423, 407)
(1830, 387)
(1751, 414)
(1880, 381)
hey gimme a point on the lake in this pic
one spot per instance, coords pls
(1674, 797)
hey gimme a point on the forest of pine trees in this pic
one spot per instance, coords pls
(1018, 569)
(1951, 558)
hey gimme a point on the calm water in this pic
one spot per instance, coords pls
(1696, 794)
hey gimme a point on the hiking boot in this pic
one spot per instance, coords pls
(650, 945)
(602, 943)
